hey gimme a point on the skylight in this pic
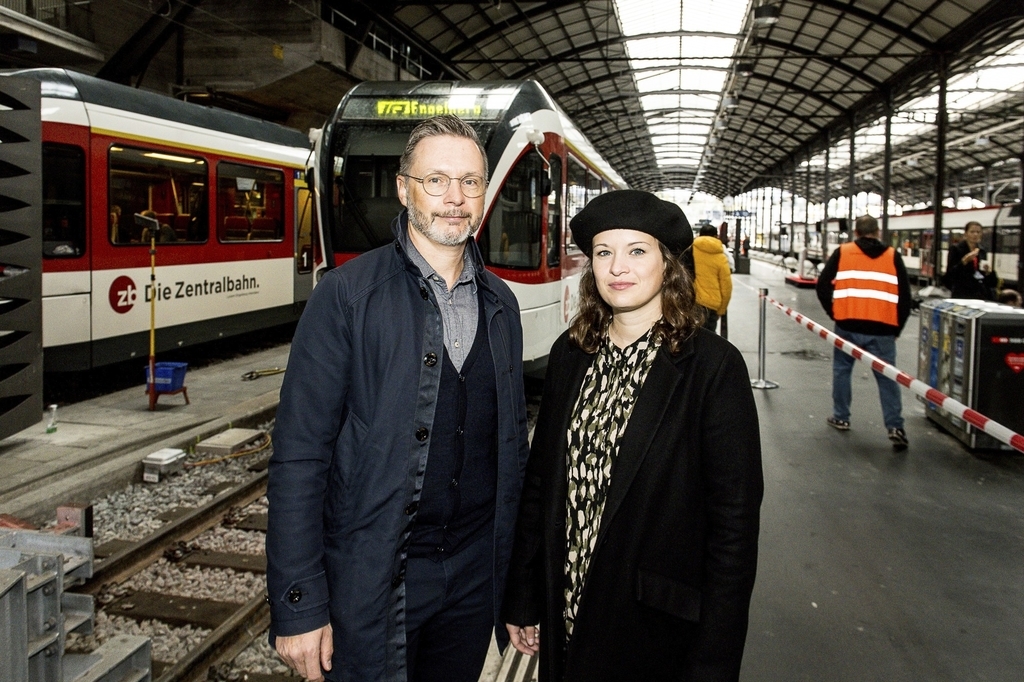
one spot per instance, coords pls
(681, 76)
(989, 81)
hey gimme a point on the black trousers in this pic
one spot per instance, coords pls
(449, 614)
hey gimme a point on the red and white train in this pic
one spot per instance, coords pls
(235, 217)
(542, 172)
(912, 234)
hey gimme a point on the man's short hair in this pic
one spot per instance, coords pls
(707, 231)
(866, 226)
(445, 124)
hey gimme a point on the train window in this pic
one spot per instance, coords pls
(511, 238)
(250, 203)
(63, 201)
(555, 213)
(576, 199)
(1008, 240)
(170, 187)
(593, 187)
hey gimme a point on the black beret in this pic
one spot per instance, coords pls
(630, 209)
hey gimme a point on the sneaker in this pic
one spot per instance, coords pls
(898, 437)
(840, 424)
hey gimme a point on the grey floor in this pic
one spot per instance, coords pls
(874, 565)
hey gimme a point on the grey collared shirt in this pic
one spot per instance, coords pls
(460, 311)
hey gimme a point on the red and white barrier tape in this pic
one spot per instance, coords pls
(992, 428)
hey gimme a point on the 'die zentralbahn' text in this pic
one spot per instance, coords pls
(203, 288)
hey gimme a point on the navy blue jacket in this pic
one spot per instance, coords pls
(350, 449)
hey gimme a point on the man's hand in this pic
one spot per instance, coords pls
(525, 640)
(308, 654)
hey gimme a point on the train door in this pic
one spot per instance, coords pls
(305, 225)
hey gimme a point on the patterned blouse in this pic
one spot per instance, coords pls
(598, 421)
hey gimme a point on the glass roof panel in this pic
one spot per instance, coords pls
(706, 58)
(988, 82)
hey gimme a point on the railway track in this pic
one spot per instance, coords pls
(157, 546)
(134, 579)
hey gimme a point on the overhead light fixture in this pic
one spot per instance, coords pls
(766, 15)
(721, 124)
(912, 162)
(169, 157)
(868, 176)
(731, 101)
(713, 140)
(745, 68)
(982, 141)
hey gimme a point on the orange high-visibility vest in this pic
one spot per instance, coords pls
(866, 288)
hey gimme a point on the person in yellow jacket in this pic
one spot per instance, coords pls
(712, 281)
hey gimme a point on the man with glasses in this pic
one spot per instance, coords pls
(400, 442)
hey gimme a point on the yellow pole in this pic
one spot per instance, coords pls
(152, 322)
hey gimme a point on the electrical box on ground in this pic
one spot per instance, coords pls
(162, 463)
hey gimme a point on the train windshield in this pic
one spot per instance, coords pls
(364, 194)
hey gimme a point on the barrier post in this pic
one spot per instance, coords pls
(761, 382)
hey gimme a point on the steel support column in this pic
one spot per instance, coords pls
(825, 188)
(792, 211)
(887, 167)
(941, 124)
(1020, 240)
(851, 179)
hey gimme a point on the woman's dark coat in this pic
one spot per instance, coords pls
(669, 584)
(960, 277)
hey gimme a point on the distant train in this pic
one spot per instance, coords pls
(912, 233)
(233, 216)
(542, 172)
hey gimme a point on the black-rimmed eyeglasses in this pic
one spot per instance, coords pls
(436, 184)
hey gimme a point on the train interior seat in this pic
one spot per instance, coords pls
(264, 228)
(180, 225)
(236, 228)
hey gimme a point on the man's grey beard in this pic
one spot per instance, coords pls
(424, 226)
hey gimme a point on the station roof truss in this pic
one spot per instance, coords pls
(725, 97)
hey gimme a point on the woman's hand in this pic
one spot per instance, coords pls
(969, 256)
(525, 640)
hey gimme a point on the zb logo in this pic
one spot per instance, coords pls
(123, 293)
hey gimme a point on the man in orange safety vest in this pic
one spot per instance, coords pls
(864, 288)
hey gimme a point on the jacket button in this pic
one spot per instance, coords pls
(411, 509)
(454, 483)
(266, 598)
(422, 434)
(430, 359)
(295, 596)
(424, 294)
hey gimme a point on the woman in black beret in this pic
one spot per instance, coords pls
(636, 543)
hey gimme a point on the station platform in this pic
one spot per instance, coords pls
(874, 564)
(105, 438)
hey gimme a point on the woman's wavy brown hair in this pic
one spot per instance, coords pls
(680, 314)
